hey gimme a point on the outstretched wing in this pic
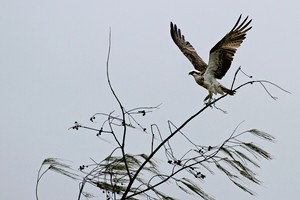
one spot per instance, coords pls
(221, 55)
(187, 49)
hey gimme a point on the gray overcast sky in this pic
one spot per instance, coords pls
(52, 59)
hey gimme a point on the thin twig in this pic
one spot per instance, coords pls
(38, 180)
(120, 105)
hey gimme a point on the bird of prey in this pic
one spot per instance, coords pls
(220, 57)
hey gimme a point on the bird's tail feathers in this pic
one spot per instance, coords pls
(228, 91)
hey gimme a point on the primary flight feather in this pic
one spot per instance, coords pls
(220, 57)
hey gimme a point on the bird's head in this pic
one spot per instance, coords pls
(193, 73)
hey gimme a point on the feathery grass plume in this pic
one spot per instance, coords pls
(262, 135)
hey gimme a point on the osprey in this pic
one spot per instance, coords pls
(220, 57)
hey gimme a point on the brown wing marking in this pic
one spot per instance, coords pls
(221, 55)
(187, 49)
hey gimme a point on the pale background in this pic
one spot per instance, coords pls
(52, 59)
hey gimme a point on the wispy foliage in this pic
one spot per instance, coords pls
(56, 165)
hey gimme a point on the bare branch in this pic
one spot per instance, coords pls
(120, 105)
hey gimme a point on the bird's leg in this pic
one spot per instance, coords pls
(208, 98)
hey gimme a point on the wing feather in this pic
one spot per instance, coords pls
(187, 49)
(221, 55)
